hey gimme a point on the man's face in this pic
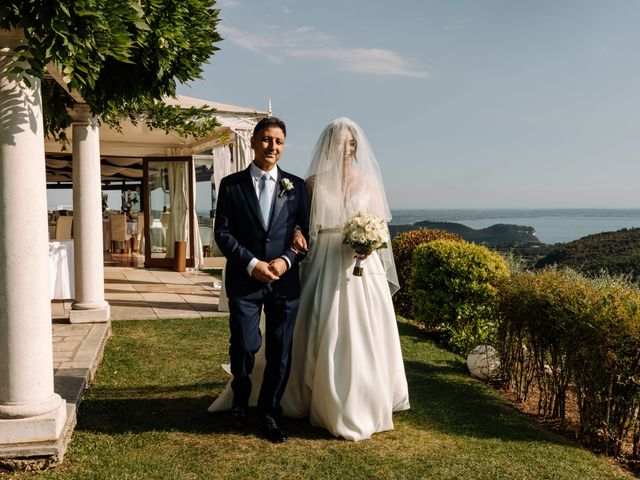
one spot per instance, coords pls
(268, 146)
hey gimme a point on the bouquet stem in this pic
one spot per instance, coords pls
(358, 270)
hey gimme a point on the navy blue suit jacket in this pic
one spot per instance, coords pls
(241, 236)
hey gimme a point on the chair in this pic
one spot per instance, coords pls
(140, 234)
(61, 213)
(64, 228)
(119, 231)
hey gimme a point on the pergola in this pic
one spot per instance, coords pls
(30, 411)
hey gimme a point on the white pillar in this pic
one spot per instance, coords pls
(29, 409)
(89, 305)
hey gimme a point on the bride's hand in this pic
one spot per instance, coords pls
(298, 242)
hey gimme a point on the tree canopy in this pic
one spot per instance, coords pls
(121, 56)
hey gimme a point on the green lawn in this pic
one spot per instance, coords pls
(145, 418)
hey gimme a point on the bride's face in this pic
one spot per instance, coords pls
(349, 146)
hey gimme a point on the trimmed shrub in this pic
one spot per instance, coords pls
(454, 288)
(542, 316)
(562, 331)
(403, 246)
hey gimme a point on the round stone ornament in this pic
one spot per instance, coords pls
(483, 362)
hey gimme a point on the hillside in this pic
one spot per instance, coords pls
(500, 234)
(616, 252)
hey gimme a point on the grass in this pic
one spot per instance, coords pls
(145, 418)
(214, 272)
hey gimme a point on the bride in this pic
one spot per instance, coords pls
(347, 373)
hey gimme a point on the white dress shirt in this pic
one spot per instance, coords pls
(256, 174)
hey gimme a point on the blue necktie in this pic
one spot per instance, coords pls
(264, 199)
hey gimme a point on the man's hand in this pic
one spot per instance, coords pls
(278, 266)
(264, 273)
(298, 242)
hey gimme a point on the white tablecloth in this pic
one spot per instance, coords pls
(158, 238)
(205, 236)
(61, 269)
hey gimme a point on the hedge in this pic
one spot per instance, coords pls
(562, 332)
(403, 246)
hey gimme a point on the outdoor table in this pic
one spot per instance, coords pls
(205, 236)
(158, 238)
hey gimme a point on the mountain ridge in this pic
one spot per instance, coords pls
(498, 234)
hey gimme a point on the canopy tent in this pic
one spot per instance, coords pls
(122, 152)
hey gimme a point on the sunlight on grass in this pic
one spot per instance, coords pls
(145, 418)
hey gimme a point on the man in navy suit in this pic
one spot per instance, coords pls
(258, 212)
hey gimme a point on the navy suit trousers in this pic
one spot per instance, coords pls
(246, 339)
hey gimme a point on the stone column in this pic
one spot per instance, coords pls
(89, 305)
(30, 411)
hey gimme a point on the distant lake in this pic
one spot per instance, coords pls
(551, 225)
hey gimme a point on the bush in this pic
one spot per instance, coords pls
(542, 316)
(562, 330)
(403, 246)
(454, 287)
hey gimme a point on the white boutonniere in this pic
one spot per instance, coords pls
(285, 186)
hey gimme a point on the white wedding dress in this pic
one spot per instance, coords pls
(347, 371)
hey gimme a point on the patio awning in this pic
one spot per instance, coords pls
(121, 152)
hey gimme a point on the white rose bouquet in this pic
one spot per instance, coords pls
(365, 233)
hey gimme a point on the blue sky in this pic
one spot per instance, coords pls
(467, 103)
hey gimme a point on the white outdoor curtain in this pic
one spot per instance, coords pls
(221, 164)
(242, 152)
(198, 258)
(179, 204)
(178, 221)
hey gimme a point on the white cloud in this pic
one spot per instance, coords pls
(249, 41)
(307, 43)
(372, 61)
(227, 3)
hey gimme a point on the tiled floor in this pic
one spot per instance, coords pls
(141, 294)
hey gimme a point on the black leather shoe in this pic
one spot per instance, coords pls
(272, 431)
(239, 419)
